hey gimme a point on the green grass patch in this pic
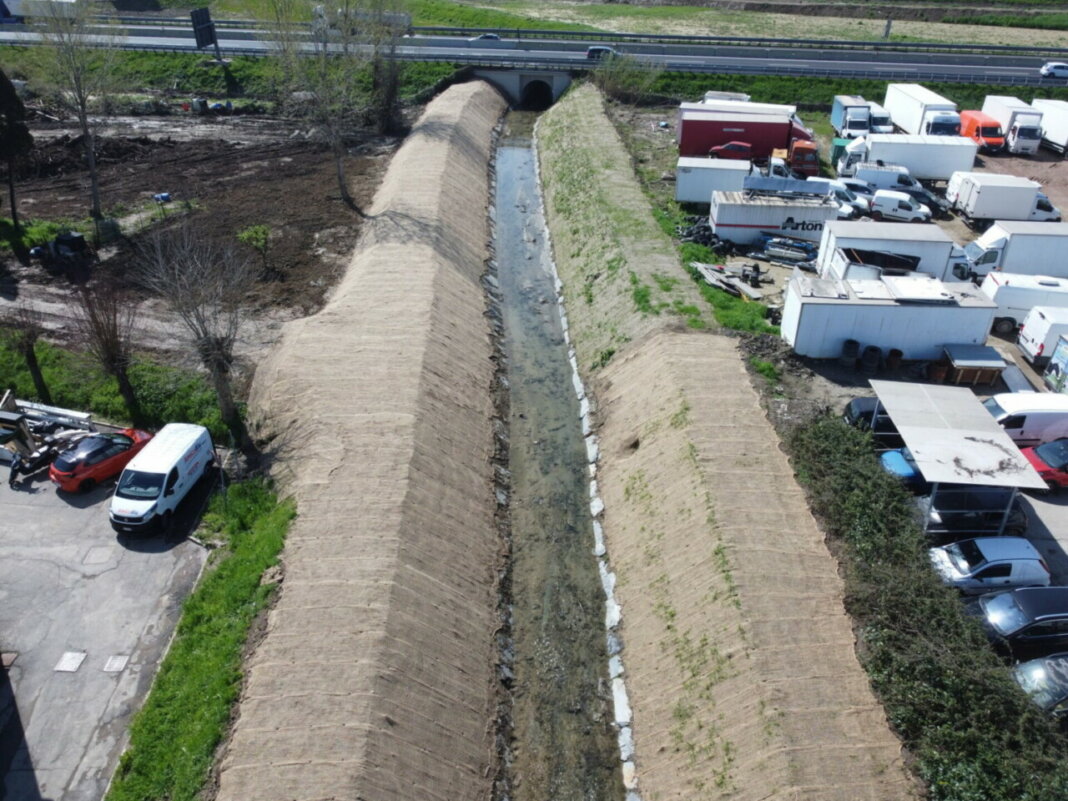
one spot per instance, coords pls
(972, 732)
(174, 736)
(1049, 22)
(642, 294)
(766, 369)
(461, 15)
(167, 394)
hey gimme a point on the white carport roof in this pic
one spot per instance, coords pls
(953, 438)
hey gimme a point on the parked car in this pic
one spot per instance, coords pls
(597, 52)
(899, 462)
(1051, 462)
(1025, 623)
(860, 412)
(962, 510)
(986, 564)
(858, 187)
(891, 204)
(96, 458)
(732, 150)
(938, 206)
(1045, 679)
(1054, 69)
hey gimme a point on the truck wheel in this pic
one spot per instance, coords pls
(1004, 325)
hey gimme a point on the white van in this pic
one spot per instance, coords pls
(1038, 336)
(886, 176)
(160, 476)
(1031, 418)
(889, 205)
(1017, 293)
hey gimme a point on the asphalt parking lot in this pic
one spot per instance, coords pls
(85, 617)
(1048, 531)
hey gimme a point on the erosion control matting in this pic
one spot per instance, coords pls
(375, 677)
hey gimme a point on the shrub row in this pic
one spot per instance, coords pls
(974, 735)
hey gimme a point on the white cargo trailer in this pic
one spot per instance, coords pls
(697, 178)
(1035, 248)
(1054, 123)
(928, 158)
(1039, 332)
(1021, 123)
(1016, 294)
(918, 110)
(745, 218)
(983, 197)
(935, 253)
(917, 315)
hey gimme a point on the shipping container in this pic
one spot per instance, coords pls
(918, 110)
(1041, 329)
(745, 218)
(928, 158)
(1054, 123)
(916, 315)
(697, 178)
(1016, 294)
(935, 253)
(1021, 123)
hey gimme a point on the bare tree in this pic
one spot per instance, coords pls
(25, 326)
(384, 30)
(103, 317)
(15, 140)
(76, 68)
(204, 283)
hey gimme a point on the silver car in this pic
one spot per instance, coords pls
(987, 564)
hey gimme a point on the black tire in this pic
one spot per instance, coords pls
(1004, 326)
(87, 485)
(876, 215)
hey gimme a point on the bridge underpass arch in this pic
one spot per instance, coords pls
(529, 90)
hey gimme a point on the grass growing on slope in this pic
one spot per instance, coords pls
(174, 736)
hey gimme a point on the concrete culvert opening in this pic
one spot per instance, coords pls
(537, 96)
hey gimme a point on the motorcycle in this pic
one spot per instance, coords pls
(43, 456)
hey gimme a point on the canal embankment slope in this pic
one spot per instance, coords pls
(739, 658)
(375, 676)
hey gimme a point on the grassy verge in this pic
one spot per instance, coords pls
(1051, 22)
(973, 733)
(167, 394)
(174, 736)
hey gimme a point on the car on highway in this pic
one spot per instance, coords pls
(987, 564)
(597, 52)
(96, 458)
(485, 37)
(732, 150)
(1054, 69)
(1051, 463)
(1024, 623)
(1045, 680)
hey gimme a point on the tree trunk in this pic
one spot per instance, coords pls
(29, 353)
(339, 164)
(11, 194)
(94, 181)
(129, 397)
(232, 417)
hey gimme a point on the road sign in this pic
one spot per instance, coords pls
(203, 27)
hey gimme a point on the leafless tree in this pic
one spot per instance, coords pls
(25, 326)
(103, 317)
(204, 282)
(75, 66)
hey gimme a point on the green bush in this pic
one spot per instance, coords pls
(975, 736)
(188, 711)
(1049, 22)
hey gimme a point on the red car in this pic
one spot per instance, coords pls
(1051, 462)
(732, 150)
(96, 458)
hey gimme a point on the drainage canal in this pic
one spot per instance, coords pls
(563, 743)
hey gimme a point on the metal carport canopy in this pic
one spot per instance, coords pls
(953, 438)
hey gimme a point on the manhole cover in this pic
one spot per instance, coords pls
(116, 663)
(70, 662)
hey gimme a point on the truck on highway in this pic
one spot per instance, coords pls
(700, 131)
(928, 248)
(1020, 122)
(917, 110)
(928, 158)
(983, 197)
(1034, 248)
(880, 119)
(746, 218)
(982, 129)
(850, 116)
(1054, 123)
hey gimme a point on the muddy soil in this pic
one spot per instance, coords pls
(563, 743)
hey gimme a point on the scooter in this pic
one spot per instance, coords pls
(28, 464)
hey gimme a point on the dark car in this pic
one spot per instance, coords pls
(598, 52)
(486, 37)
(959, 511)
(939, 206)
(1025, 623)
(1046, 680)
(860, 413)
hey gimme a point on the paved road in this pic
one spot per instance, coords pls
(69, 587)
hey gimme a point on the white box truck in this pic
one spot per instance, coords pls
(917, 110)
(1021, 123)
(929, 246)
(697, 178)
(745, 218)
(1039, 332)
(928, 158)
(917, 315)
(1054, 123)
(983, 197)
(1035, 248)
(880, 119)
(1016, 294)
(850, 116)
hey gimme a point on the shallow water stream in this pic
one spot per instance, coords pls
(564, 745)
